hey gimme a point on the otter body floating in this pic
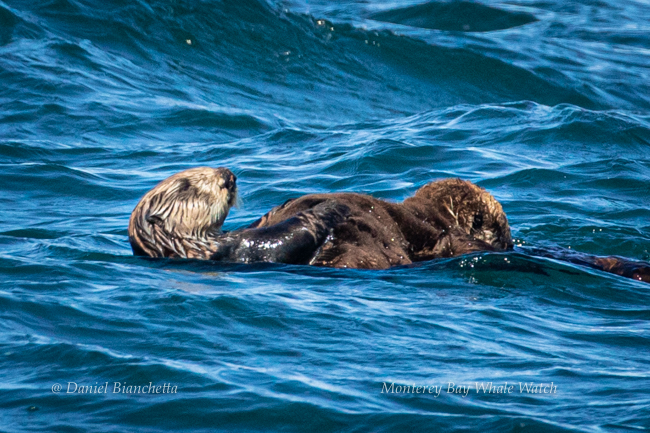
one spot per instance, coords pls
(446, 218)
(182, 217)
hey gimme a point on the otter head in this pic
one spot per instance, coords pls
(470, 210)
(489, 223)
(176, 218)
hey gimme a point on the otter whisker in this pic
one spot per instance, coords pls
(451, 210)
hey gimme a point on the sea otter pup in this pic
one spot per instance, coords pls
(182, 217)
(446, 218)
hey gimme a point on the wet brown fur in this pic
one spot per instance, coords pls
(443, 219)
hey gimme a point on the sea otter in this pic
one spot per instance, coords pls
(182, 217)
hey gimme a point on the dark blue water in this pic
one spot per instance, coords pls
(544, 103)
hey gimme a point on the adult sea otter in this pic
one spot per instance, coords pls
(182, 217)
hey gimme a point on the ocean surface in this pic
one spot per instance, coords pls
(545, 103)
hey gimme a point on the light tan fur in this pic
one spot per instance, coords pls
(181, 212)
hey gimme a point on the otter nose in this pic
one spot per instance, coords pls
(226, 179)
(229, 181)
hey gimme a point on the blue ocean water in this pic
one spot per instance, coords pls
(545, 103)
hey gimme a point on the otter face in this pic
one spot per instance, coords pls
(468, 207)
(489, 223)
(181, 211)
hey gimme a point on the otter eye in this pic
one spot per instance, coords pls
(478, 221)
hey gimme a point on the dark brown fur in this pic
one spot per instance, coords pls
(444, 219)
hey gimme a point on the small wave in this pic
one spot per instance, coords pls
(461, 16)
(187, 115)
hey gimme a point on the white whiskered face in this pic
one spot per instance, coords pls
(189, 204)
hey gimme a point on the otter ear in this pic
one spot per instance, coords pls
(155, 220)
